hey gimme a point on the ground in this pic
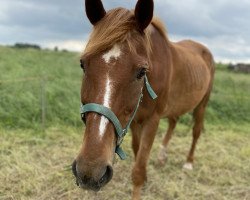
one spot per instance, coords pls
(37, 166)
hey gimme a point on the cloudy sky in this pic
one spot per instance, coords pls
(222, 25)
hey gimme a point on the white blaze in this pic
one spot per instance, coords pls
(115, 53)
(107, 93)
(106, 102)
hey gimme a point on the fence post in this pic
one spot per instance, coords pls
(43, 101)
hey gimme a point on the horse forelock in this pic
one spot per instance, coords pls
(118, 26)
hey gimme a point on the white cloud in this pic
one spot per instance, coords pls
(224, 48)
(72, 45)
(223, 25)
(3, 11)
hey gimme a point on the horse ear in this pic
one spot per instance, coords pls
(94, 10)
(144, 13)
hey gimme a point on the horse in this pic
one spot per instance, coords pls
(127, 62)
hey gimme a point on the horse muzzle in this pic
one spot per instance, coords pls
(94, 179)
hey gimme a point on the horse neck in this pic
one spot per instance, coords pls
(161, 56)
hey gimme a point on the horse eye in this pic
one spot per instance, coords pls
(82, 64)
(141, 73)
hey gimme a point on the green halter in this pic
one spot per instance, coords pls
(120, 132)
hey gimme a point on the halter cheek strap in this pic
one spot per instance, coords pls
(120, 132)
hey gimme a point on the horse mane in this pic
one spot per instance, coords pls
(158, 24)
(119, 26)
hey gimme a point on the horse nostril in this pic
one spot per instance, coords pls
(107, 175)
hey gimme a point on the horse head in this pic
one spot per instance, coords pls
(115, 62)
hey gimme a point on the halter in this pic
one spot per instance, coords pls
(120, 132)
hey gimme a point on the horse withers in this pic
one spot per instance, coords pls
(128, 56)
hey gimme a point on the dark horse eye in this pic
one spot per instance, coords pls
(141, 73)
(82, 64)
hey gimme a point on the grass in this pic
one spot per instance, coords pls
(230, 97)
(28, 76)
(36, 166)
(35, 155)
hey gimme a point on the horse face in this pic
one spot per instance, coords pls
(114, 79)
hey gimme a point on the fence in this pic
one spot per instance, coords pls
(43, 101)
(39, 101)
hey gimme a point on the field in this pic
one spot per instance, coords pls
(41, 132)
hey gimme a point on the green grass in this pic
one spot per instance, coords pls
(27, 74)
(230, 98)
(34, 162)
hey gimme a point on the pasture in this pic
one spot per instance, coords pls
(41, 132)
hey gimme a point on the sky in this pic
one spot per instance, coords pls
(222, 25)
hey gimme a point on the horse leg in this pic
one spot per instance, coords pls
(162, 156)
(139, 176)
(198, 116)
(136, 134)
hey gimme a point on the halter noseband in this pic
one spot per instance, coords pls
(120, 132)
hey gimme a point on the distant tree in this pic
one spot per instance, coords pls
(56, 48)
(27, 45)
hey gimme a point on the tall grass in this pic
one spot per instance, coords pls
(28, 76)
(32, 81)
(230, 97)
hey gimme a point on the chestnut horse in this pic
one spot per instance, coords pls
(125, 48)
